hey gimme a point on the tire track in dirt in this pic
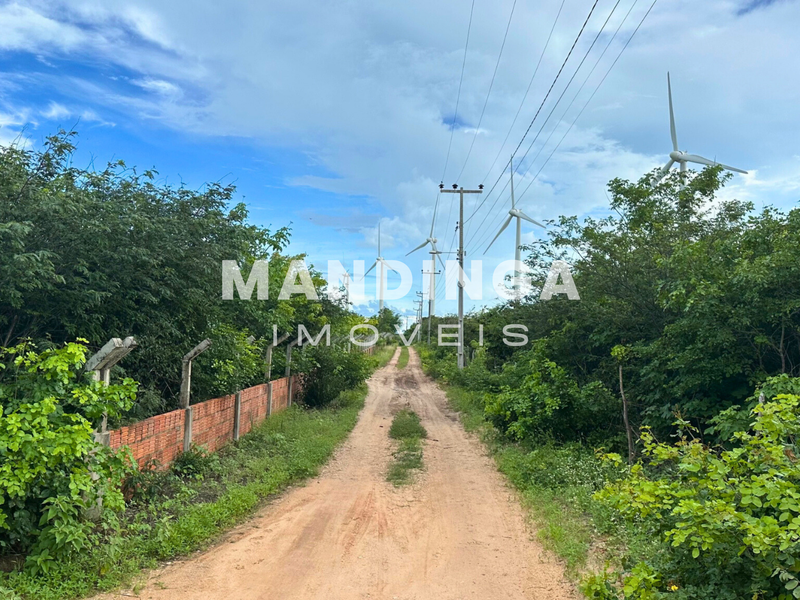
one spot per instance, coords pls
(458, 532)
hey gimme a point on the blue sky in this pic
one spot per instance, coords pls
(333, 116)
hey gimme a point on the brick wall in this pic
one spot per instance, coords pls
(160, 438)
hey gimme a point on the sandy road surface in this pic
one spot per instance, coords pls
(457, 533)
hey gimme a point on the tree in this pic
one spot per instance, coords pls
(388, 320)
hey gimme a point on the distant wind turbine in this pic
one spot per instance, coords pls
(381, 263)
(435, 253)
(681, 157)
(517, 214)
(431, 240)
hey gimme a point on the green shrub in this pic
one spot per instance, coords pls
(549, 402)
(334, 370)
(729, 519)
(53, 474)
(196, 462)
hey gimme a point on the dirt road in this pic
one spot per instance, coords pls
(456, 533)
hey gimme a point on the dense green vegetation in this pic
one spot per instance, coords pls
(409, 433)
(100, 254)
(688, 317)
(175, 512)
(86, 256)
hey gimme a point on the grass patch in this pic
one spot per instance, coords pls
(384, 354)
(406, 425)
(403, 360)
(184, 509)
(409, 432)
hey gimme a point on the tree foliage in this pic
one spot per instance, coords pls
(112, 253)
(52, 473)
(729, 518)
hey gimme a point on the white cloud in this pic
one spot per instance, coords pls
(363, 88)
(26, 29)
(56, 111)
(158, 86)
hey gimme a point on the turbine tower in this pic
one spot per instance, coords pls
(520, 216)
(435, 253)
(347, 290)
(381, 263)
(681, 157)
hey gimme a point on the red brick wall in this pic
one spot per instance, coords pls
(160, 438)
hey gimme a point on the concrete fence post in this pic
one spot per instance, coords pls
(269, 398)
(100, 364)
(237, 415)
(188, 414)
(186, 387)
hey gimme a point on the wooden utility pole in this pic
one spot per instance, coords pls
(460, 191)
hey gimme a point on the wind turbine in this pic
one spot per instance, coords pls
(435, 253)
(381, 263)
(681, 157)
(517, 214)
(347, 290)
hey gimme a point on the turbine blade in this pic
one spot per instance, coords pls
(385, 264)
(422, 245)
(672, 116)
(502, 229)
(665, 169)
(711, 163)
(441, 262)
(370, 269)
(525, 217)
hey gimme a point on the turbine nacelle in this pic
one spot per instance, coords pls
(677, 156)
(681, 157)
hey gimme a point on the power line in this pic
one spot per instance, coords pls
(489, 92)
(547, 95)
(458, 95)
(552, 85)
(514, 121)
(561, 96)
(525, 96)
(458, 98)
(597, 62)
(593, 94)
(569, 83)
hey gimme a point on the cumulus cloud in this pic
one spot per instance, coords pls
(367, 92)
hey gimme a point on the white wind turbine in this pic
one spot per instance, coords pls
(517, 214)
(681, 157)
(435, 253)
(381, 263)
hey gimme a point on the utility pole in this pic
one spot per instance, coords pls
(460, 191)
(419, 308)
(431, 292)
